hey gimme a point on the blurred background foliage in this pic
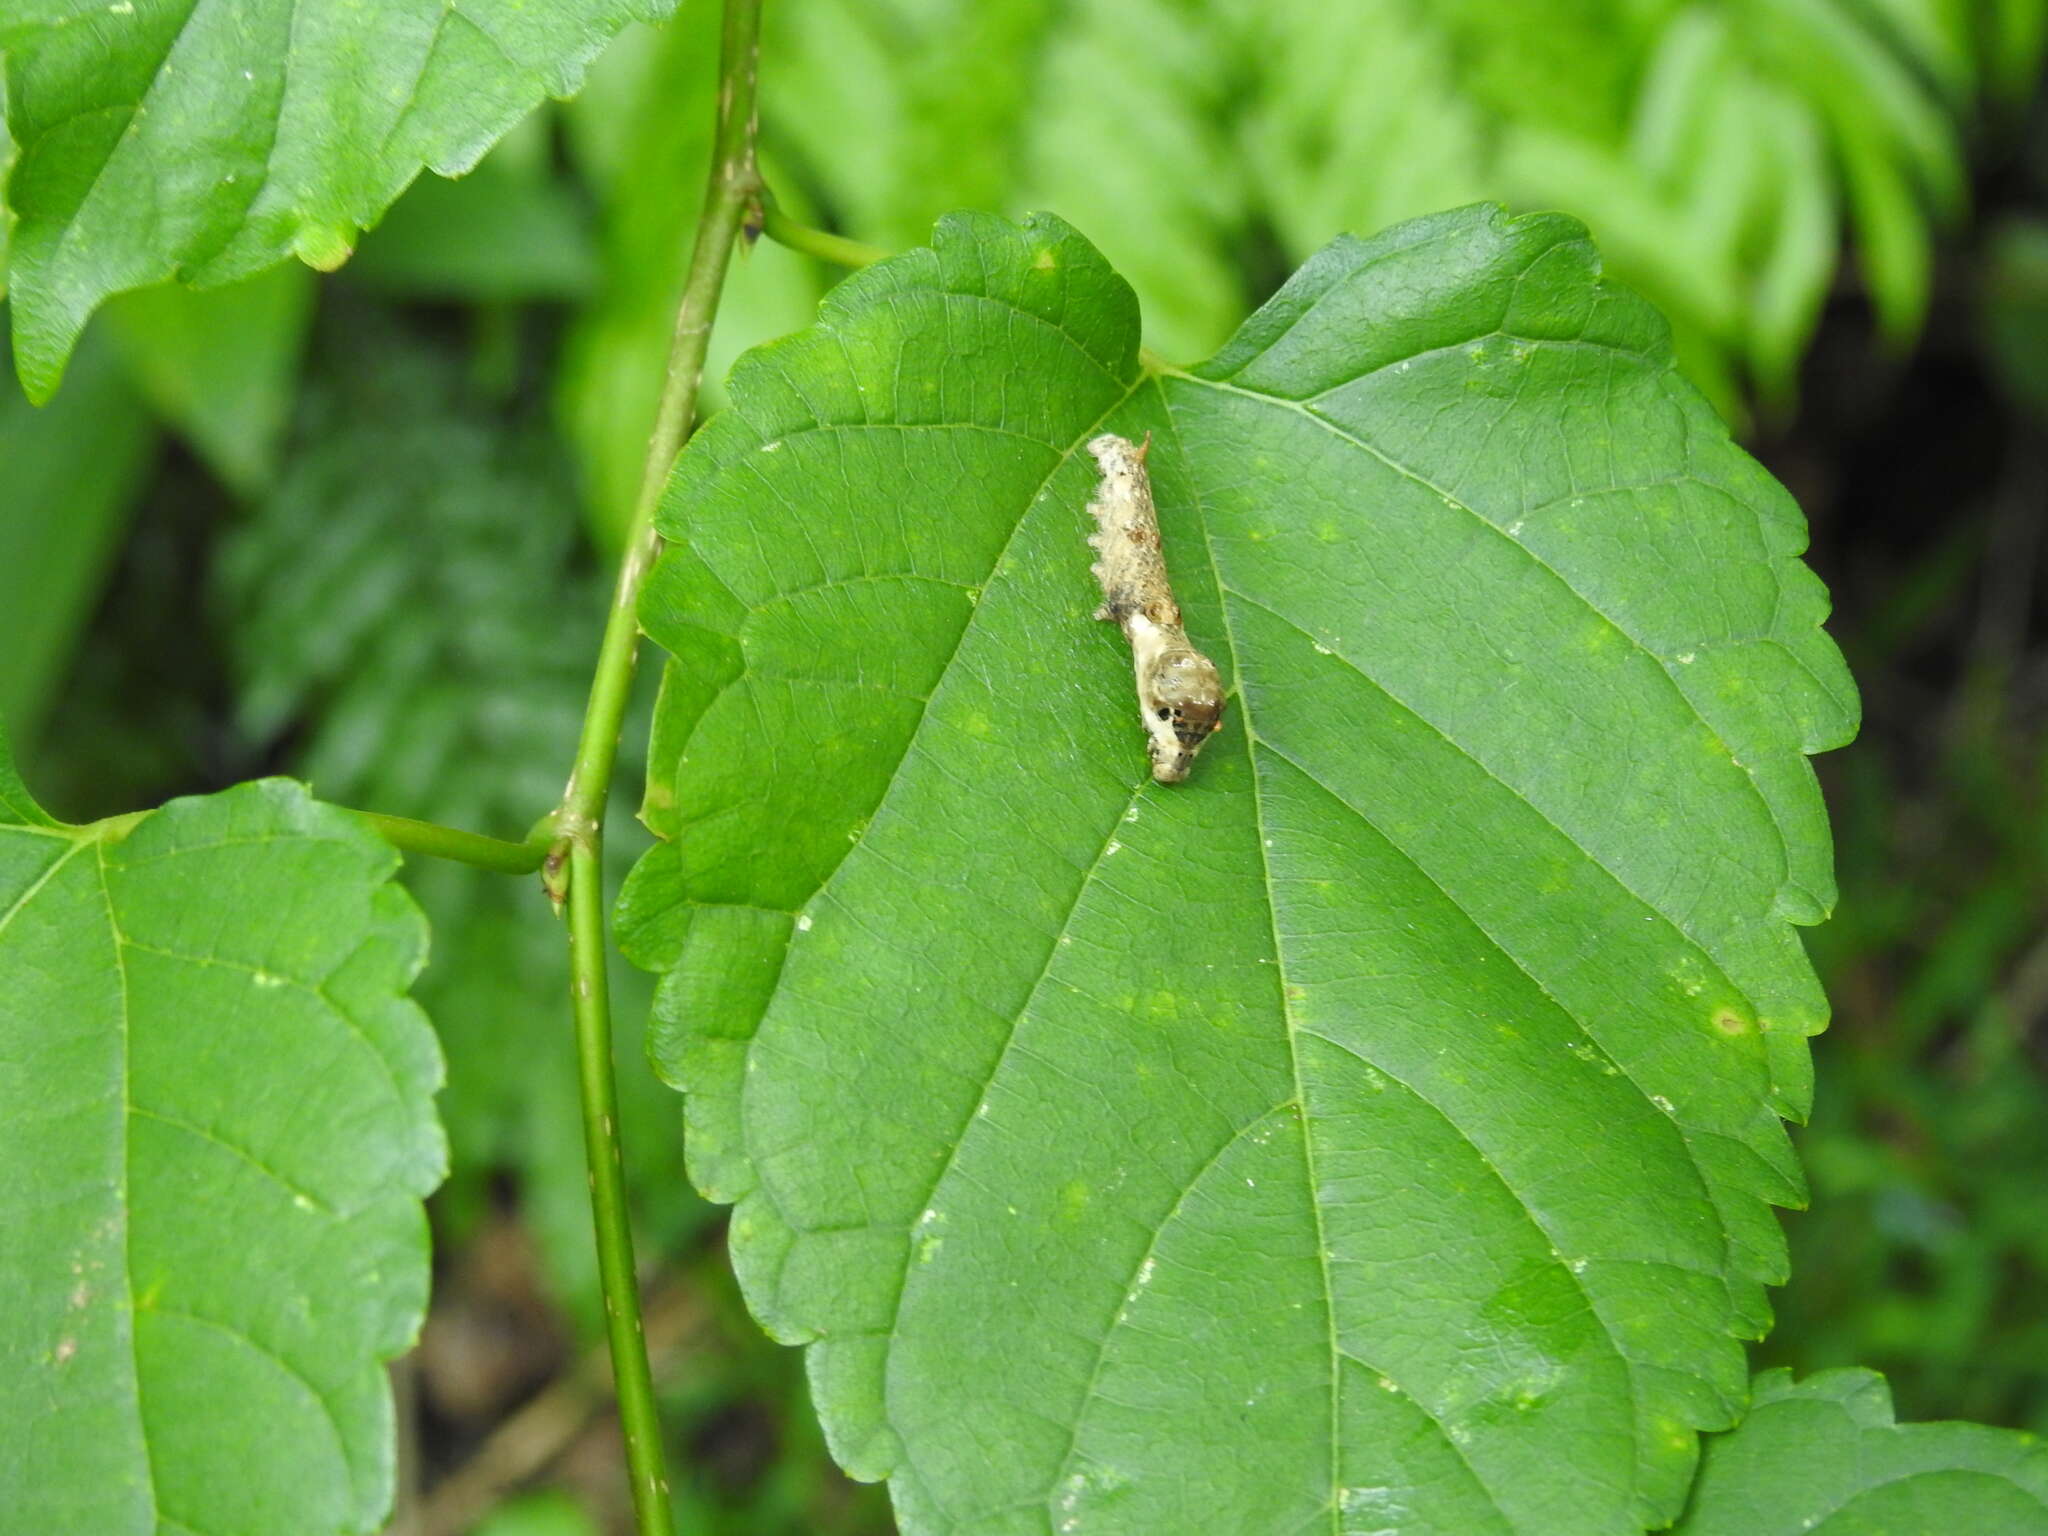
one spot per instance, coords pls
(356, 529)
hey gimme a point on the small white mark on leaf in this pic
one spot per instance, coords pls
(265, 979)
(771, 447)
(1686, 658)
(1662, 1103)
(803, 922)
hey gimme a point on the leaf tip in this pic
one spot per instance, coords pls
(324, 247)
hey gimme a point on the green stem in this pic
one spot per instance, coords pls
(632, 1374)
(575, 864)
(837, 249)
(428, 837)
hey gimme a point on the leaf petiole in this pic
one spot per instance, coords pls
(471, 848)
(837, 249)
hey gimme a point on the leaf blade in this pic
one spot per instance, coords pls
(1826, 1455)
(1090, 1133)
(171, 138)
(217, 1255)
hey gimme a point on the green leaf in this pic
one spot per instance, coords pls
(221, 366)
(1824, 1458)
(72, 473)
(220, 1128)
(1380, 1127)
(159, 138)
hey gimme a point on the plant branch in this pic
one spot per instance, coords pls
(575, 863)
(472, 848)
(733, 191)
(837, 249)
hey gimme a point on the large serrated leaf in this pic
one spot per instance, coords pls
(1824, 1457)
(162, 138)
(1375, 1132)
(219, 1112)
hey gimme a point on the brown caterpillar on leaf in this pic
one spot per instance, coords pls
(1180, 694)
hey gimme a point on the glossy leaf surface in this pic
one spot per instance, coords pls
(1376, 1132)
(220, 1128)
(160, 138)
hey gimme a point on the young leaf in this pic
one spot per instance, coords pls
(1377, 1129)
(220, 1128)
(158, 138)
(1824, 1457)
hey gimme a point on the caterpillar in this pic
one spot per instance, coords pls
(1180, 693)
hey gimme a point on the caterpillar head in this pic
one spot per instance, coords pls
(1182, 697)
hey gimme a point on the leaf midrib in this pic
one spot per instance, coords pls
(118, 941)
(1292, 1027)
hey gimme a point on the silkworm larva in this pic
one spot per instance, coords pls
(1180, 694)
